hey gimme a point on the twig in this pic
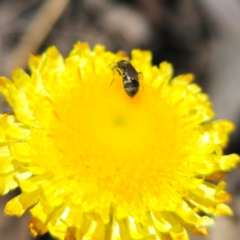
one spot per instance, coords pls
(35, 33)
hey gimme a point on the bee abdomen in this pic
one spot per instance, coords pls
(131, 88)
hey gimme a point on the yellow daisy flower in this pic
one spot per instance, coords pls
(93, 162)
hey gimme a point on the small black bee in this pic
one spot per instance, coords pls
(129, 75)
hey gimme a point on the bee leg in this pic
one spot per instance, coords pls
(111, 82)
(119, 72)
(114, 69)
(140, 75)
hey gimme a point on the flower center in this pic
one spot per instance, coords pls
(112, 143)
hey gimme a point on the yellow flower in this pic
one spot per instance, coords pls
(95, 163)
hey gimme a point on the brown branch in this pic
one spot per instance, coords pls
(35, 33)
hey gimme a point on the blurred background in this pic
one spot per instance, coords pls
(198, 36)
